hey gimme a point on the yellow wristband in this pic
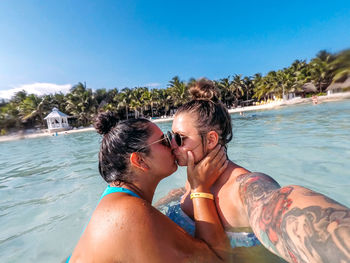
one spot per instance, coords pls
(203, 195)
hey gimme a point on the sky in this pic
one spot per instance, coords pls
(47, 46)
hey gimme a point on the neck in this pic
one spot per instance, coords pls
(142, 189)
(225, 176)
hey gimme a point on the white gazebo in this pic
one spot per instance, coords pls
(57, 120)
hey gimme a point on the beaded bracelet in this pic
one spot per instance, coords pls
(203, 195)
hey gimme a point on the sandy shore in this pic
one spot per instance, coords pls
(273, 105)
(41, 134)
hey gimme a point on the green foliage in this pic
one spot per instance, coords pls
(82, 104)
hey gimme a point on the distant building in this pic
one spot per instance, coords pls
(337, 87)
(57, 121)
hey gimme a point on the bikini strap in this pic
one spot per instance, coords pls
(114, 189)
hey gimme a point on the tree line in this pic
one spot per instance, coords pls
(24, 110)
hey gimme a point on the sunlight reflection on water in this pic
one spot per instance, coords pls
(50, 186)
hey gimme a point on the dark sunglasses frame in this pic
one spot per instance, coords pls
(165, 137)
(178, 138)
(168, 137)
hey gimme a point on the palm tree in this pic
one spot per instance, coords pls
(100, 96)
(81, 104)
(125, 97)
(341, 66)
(164, 100)
(19, 96)
(31, 108)
(179, 91)
(248, 87)
(264, 86)
(137, 101)
(191, 82)
(9, 116)
(154, 96)
(146, 99)
(237, 87)
(321, 69)
(225, 86)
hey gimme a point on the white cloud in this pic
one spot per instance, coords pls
(151, 85)
(36, 88)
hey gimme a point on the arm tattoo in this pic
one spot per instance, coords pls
(319, 232)
(322, 234)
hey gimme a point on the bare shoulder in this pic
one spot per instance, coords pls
(254, 188)
(114, 225)
(238, 170)
(251, 182)
(129, 210)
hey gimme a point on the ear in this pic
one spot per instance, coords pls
(137, 161)
(212, 139)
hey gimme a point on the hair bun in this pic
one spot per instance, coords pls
(204, 89)
(105, 121)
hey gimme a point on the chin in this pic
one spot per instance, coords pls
(175, 168)
(181, 163)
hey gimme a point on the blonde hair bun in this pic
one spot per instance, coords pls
(204, 89)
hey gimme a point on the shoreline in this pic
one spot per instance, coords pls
(273, 105)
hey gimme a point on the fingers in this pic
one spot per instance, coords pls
(190, 160)
(213, 153)
(220, 157)
(223, 168)
(210, 157)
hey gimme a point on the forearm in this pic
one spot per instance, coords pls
(296, 223)
(173, 195)
(209, 227)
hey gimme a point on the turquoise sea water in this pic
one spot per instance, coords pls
(50, 186)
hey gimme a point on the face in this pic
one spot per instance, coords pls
(192, 140)
(161, 161)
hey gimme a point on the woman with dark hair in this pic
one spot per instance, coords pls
(134, 156)
(258, 215)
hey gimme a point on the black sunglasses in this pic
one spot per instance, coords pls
(178, 138)
(166, 140)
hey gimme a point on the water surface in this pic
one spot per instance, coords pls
(49, 186)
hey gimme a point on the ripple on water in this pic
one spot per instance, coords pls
(49, 186)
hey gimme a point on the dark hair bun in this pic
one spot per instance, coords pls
(105, 121)
(204, 89)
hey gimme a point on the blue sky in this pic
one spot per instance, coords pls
(46, 46)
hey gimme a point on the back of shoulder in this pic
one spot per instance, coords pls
(126, 209)
(251, 180)
(122, 220)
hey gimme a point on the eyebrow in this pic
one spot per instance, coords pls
(181, 133)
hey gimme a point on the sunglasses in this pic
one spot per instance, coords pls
(178, 138)
(166, 140)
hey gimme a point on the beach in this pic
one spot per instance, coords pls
(271, 105)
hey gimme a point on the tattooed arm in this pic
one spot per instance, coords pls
(294, 222)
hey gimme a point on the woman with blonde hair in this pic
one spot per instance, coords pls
(261, 218)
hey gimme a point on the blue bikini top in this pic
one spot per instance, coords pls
(114, 189)
(111, 190)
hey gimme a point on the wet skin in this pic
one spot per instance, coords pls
(124, 228)
(293, 222)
